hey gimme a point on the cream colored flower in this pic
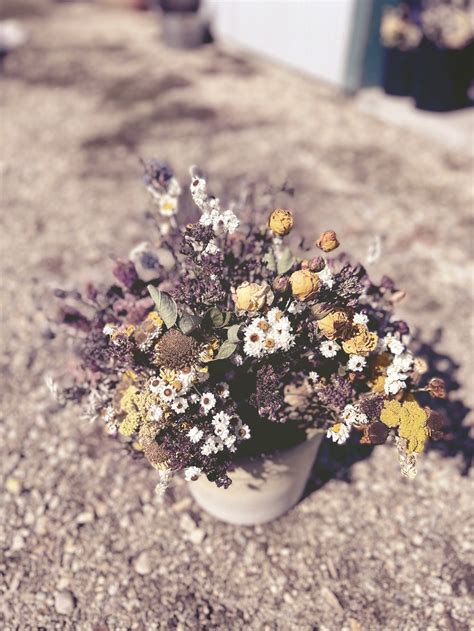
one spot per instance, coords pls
(304, 284)
(252, 297)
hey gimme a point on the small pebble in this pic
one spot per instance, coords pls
(142, 564)
(64, 602)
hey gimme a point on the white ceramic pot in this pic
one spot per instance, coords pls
(263, 488)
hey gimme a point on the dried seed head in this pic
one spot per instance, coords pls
(176, 350)
(437, 388)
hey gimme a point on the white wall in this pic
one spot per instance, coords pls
(312, 35)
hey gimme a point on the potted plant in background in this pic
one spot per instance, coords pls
(221, 353)
(445, 59)
(400, 37)
(183, 23)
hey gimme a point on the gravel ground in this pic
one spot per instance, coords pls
(85, 544)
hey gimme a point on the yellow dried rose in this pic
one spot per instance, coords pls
(327, 241)
(304, 284)
(411, 420)
(281, 222)
(334, 325)
(362, 341)
(252, 297)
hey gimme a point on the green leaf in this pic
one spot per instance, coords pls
(225, 350)
(165, 306)
(285, 261)
(188, 322)
(218, 318)
(233, 333)
(270, 261)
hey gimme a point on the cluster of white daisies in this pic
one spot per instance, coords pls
(266, 335)
(212, 215)
(228, 432)
(401, 366)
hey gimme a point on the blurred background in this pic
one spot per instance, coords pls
(357, 115)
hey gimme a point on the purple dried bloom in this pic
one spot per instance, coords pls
(91, 292)
(125, 272)
(401, 327)
(337, 394)
(268, 397)
(372, 407)
(157, 174)
(74, 318)
(387, 283)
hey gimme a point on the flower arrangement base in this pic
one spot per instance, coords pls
(397, 71)
(263, 488)
(442, 77)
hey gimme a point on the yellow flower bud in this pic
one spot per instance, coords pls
(281, 222)
(304, 284)
(252, 297)
(327, 241)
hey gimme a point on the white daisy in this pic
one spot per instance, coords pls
(221, 424)
(206, 449)
(356, 363)
(235, 423)
(194, 398)
(339, 433)
(274, 315)
(166, 392)
(360, 318)
(179, 405)
(195, 434)
(222, 389)
(155, 385)
(313, 377)
(208, 401)
(168, 205)
(191, 474)
(212, 445)
(230, 441)
(244, 432)
(284, 340)
(329, 348)
(254, 341)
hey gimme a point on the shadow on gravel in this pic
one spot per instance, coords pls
(335, 461)
(133, 90)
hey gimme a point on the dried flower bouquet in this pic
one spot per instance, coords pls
(230, 344)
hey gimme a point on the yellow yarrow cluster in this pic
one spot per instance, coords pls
(136, 405)
(410, 419)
